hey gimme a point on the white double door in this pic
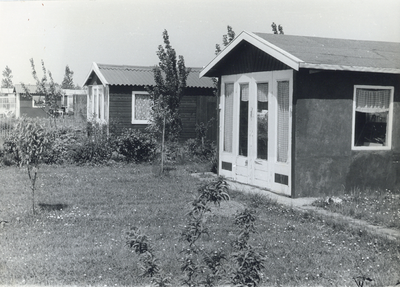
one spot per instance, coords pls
(256, 128)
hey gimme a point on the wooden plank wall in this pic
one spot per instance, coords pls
(193, 109)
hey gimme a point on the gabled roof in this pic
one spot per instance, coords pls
(319, 53)
(139, 76)
(6, 90)
(32, 89)
(20, 90)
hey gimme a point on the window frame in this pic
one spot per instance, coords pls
(389, 124)
(135, 121)
(40, 97)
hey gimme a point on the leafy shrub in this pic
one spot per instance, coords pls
(11, 154)
(136, 145)
(95, 148)
(95, 151)
(62, 142)
(198, 150)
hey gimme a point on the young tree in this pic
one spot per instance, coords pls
(68, 82)
(226, 39)
(32, 143)
(6, 82)
(170, 82)
(276, 30)
(49, 89)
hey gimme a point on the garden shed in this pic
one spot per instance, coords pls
(117, 95)
(308, 116)
(30, 105)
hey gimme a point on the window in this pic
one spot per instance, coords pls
(262, 121)
(38, 101)
(228, 118)
(372, 117)
(283, 121)
(141, 107)
(97, 103)
(243, 119)
(7, 105)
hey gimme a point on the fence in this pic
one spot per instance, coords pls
(6, 125)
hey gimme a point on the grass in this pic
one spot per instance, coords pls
(78, 238)
(379, 207)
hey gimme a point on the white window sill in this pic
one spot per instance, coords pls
(140, 122)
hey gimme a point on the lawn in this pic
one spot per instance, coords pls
(378, 207)
(84, 243)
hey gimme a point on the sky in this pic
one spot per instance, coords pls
(121, 32)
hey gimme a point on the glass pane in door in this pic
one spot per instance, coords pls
(283, 120)
(262, 121)
(243, 119)
(228, 117)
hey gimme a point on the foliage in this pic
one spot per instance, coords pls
(62, 140)
(96, 148)
(31, 144)
(6, 82)
(149, 263)
(48, 88)
(226, 39)
(248, 261)
(170, 82)
(197, 262)
(276, 30)
(136, 146)
(68, 82)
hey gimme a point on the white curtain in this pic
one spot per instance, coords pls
(228, 118)
(262, 92)
(372, 101)
(283, 121)
(244, 92)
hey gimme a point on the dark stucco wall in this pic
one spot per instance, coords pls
(323, 161)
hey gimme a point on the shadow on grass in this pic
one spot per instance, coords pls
(52, 207)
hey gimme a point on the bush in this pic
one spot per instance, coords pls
(62, 142)
(11, 154)
(96, 147)
(136, 146)
(199, 150)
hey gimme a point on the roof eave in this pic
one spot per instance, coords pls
(95, 68)
(276, 52)
(349, 68)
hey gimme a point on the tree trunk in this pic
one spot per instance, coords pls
(162, 147)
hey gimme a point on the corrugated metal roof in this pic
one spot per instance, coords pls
(338, 52)
(143, 76)
(19, 89)
(32, 89)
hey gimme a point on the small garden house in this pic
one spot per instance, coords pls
(118, 94)
(8, 103)
(308, 116)
(33, 105)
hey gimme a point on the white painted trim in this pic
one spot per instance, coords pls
(95, 68)
(133, 121)
(262, 44)
(349, 68)
(389, 126)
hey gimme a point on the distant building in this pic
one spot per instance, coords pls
(8, 103)
(118, 93)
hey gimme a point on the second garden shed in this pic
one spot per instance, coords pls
(308, 116)
(118, 93)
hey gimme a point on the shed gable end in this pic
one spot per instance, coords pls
(246, 58)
